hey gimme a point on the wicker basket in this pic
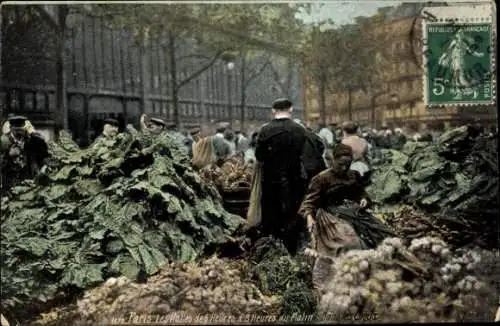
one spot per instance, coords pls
(236, 201)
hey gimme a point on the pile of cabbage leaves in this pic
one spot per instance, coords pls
(454, 180)
(123, 206)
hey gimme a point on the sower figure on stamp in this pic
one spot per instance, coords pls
(283, 181)
(454, 58)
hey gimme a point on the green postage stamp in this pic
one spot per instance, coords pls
(459, 66)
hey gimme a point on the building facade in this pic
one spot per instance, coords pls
(108, 74)
(396, 96)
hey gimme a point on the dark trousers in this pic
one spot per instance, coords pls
(290, 229)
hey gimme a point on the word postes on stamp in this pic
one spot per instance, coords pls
(458, 62)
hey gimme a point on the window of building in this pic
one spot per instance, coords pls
(40, 101)
(29, 101)
(410, 85)
(402, 68)
(409, 68)
(405, 46)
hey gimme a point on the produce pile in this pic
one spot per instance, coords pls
(277, 273)
(423, 282)
(409, 223)
(211, 288)
(232, 174)
(267, 283)
(454, 180)
(124, 206)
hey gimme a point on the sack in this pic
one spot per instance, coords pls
(254, 215)
(333, 235)
(202, 152)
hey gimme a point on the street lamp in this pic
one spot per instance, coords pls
(230, 67)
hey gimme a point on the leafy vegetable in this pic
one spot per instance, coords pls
(123, 206)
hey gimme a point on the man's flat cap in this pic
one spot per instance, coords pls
(349, 125)
(194, 131)
(282, 104)
(221, 126)
(112, 122)
(17, 121)
(158, 121)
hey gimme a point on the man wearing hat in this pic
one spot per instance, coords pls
(326, 134)
(110, 128)
(181, 139)
(23, 152)
(156, 126)
(279, 151)
(153, 125)
(194, 136)
(359, 147)
(241, 141)
(221, 129)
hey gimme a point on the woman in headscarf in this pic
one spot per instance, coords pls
(331, 235)
(333, 186)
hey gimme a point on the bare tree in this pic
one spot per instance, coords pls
(248, 72)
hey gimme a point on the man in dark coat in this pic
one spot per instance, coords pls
(312, 155)
(23, 152)
(279, 149)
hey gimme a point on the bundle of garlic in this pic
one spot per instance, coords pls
(425, 282)
(212, 287)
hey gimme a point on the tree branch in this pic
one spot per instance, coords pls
(277, 79)
(194, 56)
(255, 74)
(290, 75)
(265, 44)
(45, 14)
(200, 71)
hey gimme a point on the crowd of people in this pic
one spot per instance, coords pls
(300, 176)
(301, 170)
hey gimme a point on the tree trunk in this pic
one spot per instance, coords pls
(142, 72)
(61, 93)
(243, 97)
(321, 95)
(230, 99)
(289, 78)
(174, 90)
(349, 103)
(373, 112)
